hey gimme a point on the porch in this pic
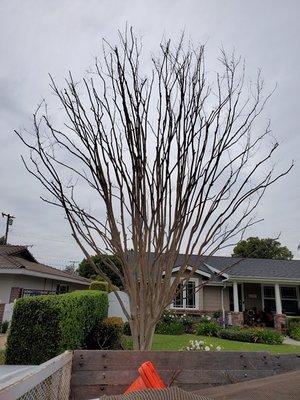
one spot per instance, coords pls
(265, 303)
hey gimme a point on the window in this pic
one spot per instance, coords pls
(186, 297)
(60, 289)
(289, 299)
(191, 294)
(269, 298)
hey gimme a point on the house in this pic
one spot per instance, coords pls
(241, 288)
(22, 275)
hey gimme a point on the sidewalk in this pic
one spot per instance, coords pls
(288, 340)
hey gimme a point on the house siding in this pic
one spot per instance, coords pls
(212, 298)
(7, 282)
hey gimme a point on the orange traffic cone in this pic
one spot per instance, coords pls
(148, 379)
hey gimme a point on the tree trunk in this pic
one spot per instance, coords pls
(142, 334)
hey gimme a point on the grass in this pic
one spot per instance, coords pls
(1, 357)
(178, 342)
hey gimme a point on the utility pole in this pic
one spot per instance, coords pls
(9, 222)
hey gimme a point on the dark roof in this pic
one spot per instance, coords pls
(256, 267)
(240, 267)
(19, 257)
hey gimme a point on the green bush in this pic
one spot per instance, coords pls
(208, 328)
(106, 335)
(188, 323)
(4, 327)
(45, 326)
(99, 285)
(217, 314)
(126, 329)
(267, 336)
(295, 332)
(170, 328)
(252, 335)
(293, 323)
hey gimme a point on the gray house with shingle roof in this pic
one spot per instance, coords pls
(242, 288)
(22, 275)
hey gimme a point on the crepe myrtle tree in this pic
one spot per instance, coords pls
(178, 163)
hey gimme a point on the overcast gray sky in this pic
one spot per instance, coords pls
(41, 37)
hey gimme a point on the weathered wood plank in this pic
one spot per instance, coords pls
(96, 373)
(216, 377)
(104, 360)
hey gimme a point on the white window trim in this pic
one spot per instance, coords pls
(197, 297)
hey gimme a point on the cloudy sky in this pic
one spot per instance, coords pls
(41, 37)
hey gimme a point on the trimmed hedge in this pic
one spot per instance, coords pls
(45, 326)
(99, 285)
(252, 335)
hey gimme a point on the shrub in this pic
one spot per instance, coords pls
(235, 333)
(252, 335)
(44, 326)
(117, 322)
(99, 285)
(267, 336)
(188, 323)
(106, 335)
(293, 323)
(208, 328)
(170, 328)
(217, 314)
(4, 327)
(126, 329)
(2, 357)
(295, 332)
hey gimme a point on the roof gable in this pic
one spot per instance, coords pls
(19, 257)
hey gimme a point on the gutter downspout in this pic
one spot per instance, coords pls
(222, 303)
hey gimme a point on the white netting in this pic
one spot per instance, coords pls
(55, 387)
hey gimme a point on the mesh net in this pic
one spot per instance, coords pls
(55, 387)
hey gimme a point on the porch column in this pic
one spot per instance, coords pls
(278, 299)
(235, 297)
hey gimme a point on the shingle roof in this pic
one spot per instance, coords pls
(19, 257)
(242, 267)
(256, 267)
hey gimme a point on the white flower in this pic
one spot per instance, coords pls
(207, 348)
(201, 342)
(218, 348)
(208, 318)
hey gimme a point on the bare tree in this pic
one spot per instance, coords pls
(176, 162)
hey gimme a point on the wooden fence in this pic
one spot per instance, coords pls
(95, 373)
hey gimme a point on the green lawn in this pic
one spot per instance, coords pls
(177, 342)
